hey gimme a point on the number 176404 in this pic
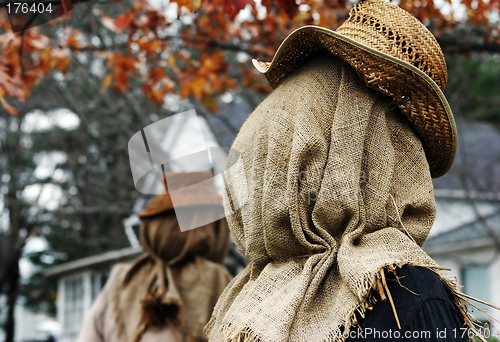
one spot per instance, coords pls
(23, 7)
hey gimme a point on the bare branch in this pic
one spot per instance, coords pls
(250, 49)
(97, 210)
(458, 46)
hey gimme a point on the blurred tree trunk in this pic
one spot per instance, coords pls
(13, 240)
(13, 285)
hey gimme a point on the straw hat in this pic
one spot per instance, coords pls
(393, 53)
(191, 189)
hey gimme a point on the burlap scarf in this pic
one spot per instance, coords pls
(338, 189)
(177, 281)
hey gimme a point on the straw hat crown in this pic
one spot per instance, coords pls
(389, 29)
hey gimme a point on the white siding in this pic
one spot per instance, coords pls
(495, 290)
(459, 260)
(75, 291)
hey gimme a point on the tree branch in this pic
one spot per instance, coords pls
(458, 46)
(97, 210)
(243, 47)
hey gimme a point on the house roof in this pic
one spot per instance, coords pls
(230, 117)
(95, 261)
(477, 161)
(471, 235)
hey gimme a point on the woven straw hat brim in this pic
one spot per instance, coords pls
(425, 107)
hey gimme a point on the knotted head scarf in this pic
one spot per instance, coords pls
(338, 189)
(178, 279)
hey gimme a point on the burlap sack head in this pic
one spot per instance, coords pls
(163, 239)
(177, 281)
(339, 187)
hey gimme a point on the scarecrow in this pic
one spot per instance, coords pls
(168, 293)
(338, 163)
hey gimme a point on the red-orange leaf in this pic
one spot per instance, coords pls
(185, 3)
(233, 7)
(107, 81)
(185, 88)
(150, 46)
(123, 21)
(214, 63)
(210, 103)
(6, 105)
(109, 23)
(241, 4)
(197, 86)
(73, 42)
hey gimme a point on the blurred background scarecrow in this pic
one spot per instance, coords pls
(168, 293)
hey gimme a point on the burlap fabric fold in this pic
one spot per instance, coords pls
(177, 281)
(338, 189)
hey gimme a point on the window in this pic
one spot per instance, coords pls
(73, 304)
(99, 278)
(477, 284)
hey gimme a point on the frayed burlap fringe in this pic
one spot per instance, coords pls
(159, 314)
(367, 302)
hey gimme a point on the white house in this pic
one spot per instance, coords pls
(466, 234)
(30, 326)
(470, 245)
(79, 283)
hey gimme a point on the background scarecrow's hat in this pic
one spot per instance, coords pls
(188, 189)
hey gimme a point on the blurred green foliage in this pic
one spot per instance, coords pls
(473, 89)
